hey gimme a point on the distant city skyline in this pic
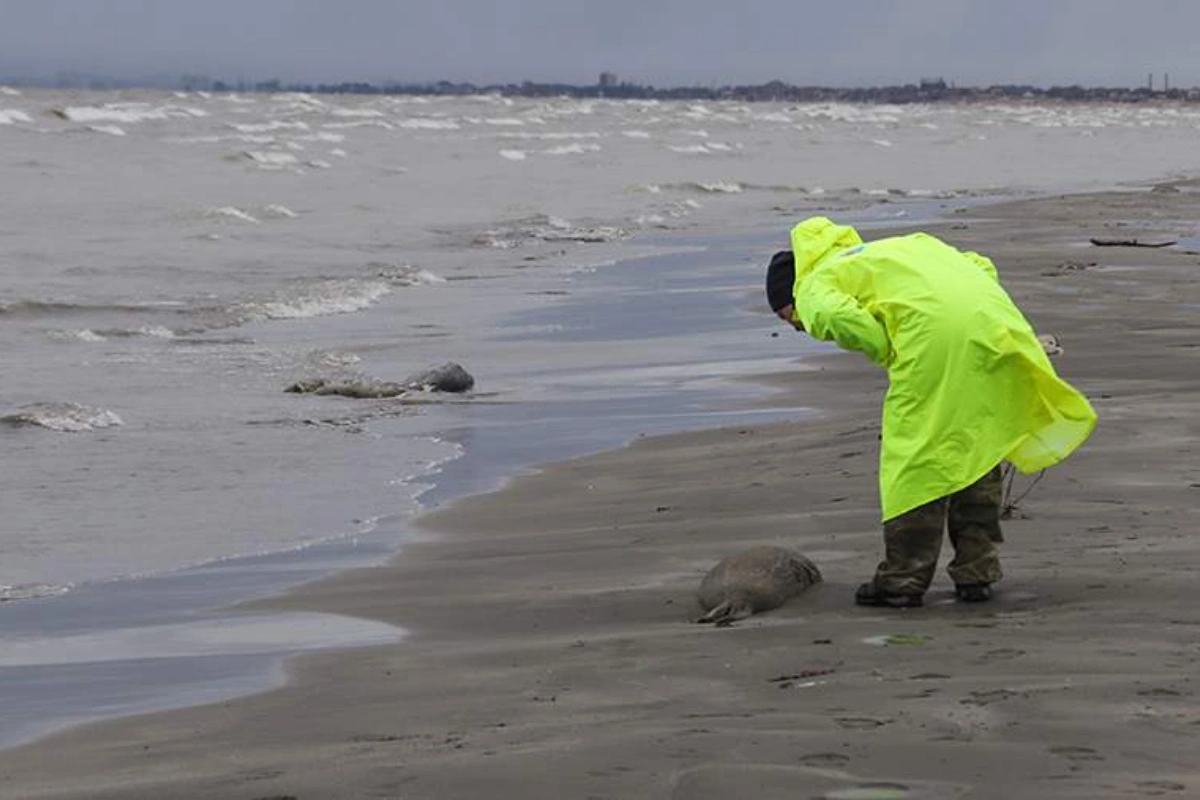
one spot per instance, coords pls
(658, 42)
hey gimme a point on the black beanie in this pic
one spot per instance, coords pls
(781, 278)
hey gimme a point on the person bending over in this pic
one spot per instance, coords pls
(970, 387)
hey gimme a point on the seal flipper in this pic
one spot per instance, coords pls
(717, 613)
(728, 612)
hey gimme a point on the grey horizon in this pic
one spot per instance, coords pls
(659, 42)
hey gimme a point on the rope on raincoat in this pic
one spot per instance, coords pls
(1009, 475)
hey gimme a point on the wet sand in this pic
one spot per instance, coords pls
(552, 653)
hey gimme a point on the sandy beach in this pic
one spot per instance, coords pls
(552, 653)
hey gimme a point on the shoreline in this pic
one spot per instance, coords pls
(559, 632)
(206, 602)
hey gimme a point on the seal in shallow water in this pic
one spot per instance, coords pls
(757, 579)
(448, 377)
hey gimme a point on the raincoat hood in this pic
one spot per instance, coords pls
(818, 237)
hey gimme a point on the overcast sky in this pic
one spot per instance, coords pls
(661, 42)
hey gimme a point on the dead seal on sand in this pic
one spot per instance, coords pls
(754, 580)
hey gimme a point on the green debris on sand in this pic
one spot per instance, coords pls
(898, 640)
(874, 791)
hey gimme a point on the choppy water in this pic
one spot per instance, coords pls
(169, 263)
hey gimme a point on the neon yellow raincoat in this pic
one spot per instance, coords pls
(970, 384)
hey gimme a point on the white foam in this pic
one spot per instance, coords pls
(30, 591)
(64, 417)
(510, 122)
(513, 155)
(154, 332)
(8, 91)
(721, 187)
(111, 130)
(567, 233)
(327, 298)
(408, 275)
(89, 335)
(338, 152)
(573, 149)
(267, 127)
(279, 212)
(302, 101)
(83, 335)
(690, 150)
(650, 221)
(553, 135)
(129, 113)
(363, 123)
(357, 113)
(428, 123)
(269, 159)
(881, 142)
(318, 164)
(10, 115)
(231, 212)
(322, 136)
(636, 134)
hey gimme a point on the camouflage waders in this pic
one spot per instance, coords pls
(913, 540)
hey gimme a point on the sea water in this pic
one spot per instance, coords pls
(170, 263)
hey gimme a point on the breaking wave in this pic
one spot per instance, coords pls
(326, 298)
(721, 187)
(573, 149)
(104, 334)
(409, 276)
(551, 136)
(357, 113)
(64, 417)
(429, 124)
(130, 113)
(231, 212)
(270, 159)
(267, 127)
(279, 212)
(111, 130)
(10, 115)
(31, 591)
(546, 228)
(362, 123)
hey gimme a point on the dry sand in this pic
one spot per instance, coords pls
(553, 656)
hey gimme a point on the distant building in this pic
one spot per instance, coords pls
(608, 80)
